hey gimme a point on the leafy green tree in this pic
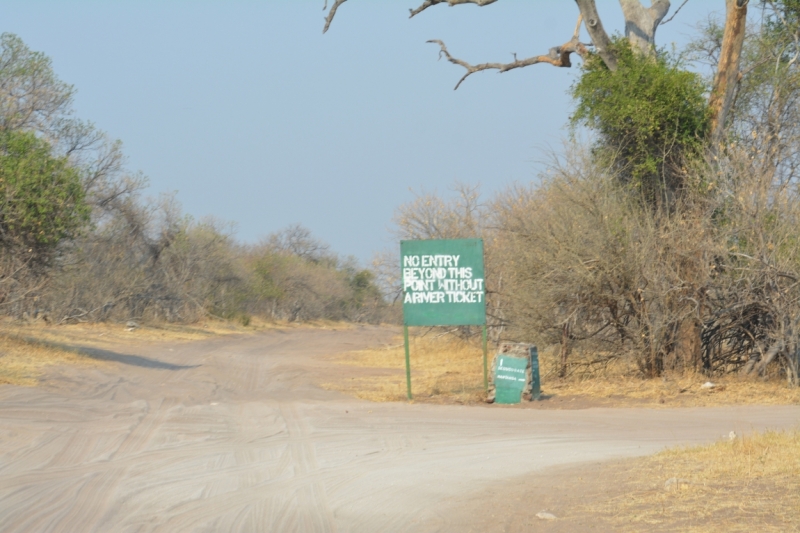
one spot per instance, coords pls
(42, 201)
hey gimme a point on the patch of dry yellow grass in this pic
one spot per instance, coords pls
(745, 484)
(23, 362)
(679, 390)
(27, 349)
(446, 368)
(442, 369)
(103, 334)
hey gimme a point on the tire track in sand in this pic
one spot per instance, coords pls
(307, 507)
(246, 441)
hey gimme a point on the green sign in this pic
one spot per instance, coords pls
(443, 282)
(509, 378)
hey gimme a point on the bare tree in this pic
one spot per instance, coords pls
(297, 240)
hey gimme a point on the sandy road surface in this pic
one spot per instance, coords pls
(232, 434)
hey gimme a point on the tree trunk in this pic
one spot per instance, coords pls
(727, 75)
(600, 39)
(688, 345)
(566, 348)
(641, 23)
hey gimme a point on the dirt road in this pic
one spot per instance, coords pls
(232, 434)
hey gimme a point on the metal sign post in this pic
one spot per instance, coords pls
(443, 285)
(408, 362)
(485, 370)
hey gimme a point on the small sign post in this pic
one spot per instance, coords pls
(536, 383)
(443, 285)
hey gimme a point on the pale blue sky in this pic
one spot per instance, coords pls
(255, 117)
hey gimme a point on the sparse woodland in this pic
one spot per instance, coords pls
(670, 239)
(80, 243)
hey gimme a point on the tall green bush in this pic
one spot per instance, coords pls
(649, 114)
(42, 200)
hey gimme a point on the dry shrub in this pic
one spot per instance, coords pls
(292, 288)
(605, 380)
(709, 285)
(153, 264)
(293, 276)
(590, 267)
(708, 282)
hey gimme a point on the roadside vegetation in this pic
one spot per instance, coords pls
(664, 239)
(661, 244)
(79, 243)
(87, 261)
(447, 368)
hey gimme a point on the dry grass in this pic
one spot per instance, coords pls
(442, 369)
(746, 484)
(617, 380)
(23, 362)
(448, 369)
(26, 350)
(112, 333)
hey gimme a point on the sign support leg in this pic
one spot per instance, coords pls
(536, 384)
(408, 362)
(485, 372)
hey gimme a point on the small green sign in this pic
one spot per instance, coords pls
(443, 282)
(509, 378)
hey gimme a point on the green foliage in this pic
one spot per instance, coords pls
(364, 289)
(293, 283)
(650, 114)
(33, 96)
(41, 196)
(267, 272)
(783, 15)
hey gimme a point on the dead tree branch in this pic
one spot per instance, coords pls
(428, 3)
(558, 56)
(676, 12)
(331, 13)
(425, 5)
